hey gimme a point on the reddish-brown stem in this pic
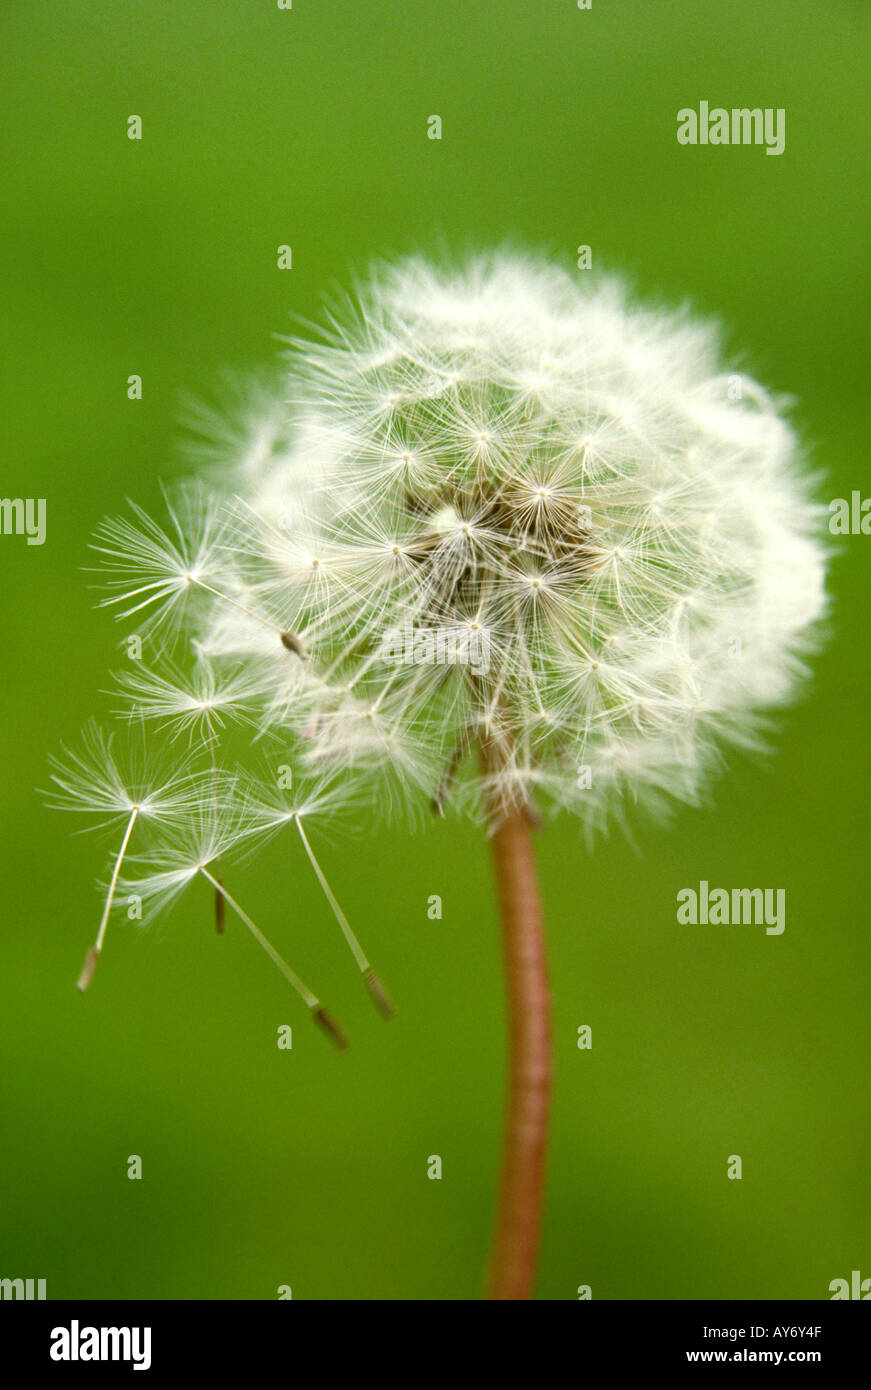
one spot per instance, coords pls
(521, 1200)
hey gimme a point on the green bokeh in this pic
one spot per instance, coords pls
(264, 1167)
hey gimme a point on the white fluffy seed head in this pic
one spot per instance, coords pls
(506, 509)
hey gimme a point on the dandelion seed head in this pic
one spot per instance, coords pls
(507, 450)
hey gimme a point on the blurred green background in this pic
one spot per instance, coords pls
(158, 257)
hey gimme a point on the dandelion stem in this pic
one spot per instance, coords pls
(372, 981)
(521, 1200)
(93, 956)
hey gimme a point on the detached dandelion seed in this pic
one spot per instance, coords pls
(372, 981)
(265, 813)
(89, 780)
(199, 703)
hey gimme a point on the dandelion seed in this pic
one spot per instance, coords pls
(372, 981)
(198, 703)
(150, 570)
(153, 571)
(294, 644)
(89, 780)
(265, 813)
